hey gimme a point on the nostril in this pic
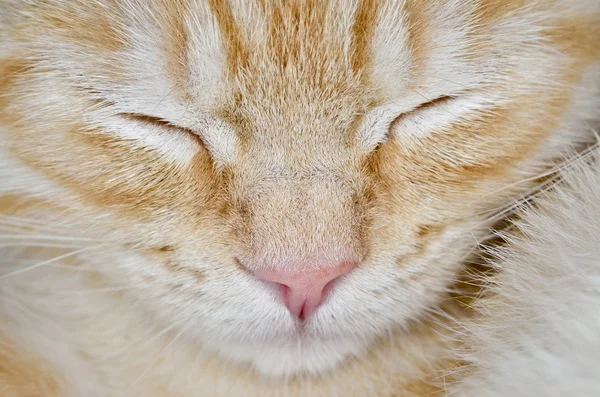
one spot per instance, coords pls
(285, 293)
(302, 292)
(328, 287)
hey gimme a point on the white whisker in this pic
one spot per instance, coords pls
(43, 237)
(158, 356)
(40, 245)
(40, 264)
(145, 342)
(21, 221)
(588, 152)
(92, 291)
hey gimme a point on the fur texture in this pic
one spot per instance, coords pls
(157, 153)
(539, 330)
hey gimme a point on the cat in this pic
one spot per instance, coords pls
(238, 198)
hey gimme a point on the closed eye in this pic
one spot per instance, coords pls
(439, 101)
(157, 121)
(163, 124)
(439, 113)
(382, 122)
(215, 136)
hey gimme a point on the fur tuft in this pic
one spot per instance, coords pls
(540, 334)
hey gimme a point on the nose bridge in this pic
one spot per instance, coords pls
(302, 220)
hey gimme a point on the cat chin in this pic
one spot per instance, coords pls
(311, 357)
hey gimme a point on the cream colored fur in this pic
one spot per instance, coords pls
(541, 331)
(539, 336)
(154, 153)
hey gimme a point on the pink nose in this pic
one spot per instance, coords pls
(304, 291)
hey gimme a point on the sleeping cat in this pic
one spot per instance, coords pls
(271, 198)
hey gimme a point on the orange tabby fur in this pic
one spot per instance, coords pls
(193, 141)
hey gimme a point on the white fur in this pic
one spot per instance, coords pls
(543, 334)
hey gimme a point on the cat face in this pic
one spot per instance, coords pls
(286, 183)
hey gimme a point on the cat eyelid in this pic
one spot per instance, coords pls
(379, 124)
(162, 123)
(146, 119)
(214, 135)
(441, 112)
(427, 104)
